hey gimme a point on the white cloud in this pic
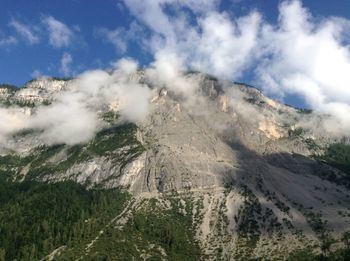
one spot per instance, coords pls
(120, 37)
(68, 120)
(115, 37)
(308, 58)
(66, 62)
(207, 40)
(152, 14)
(167, 70)
(72, 117)
(8, 41)
(104, 88)
(225, 48)
(25, 31)
(11, 120)
(300, 55)
(37, 74)
(60, 35)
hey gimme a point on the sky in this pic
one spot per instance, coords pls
(231, 39)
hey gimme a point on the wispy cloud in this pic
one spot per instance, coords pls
(66, 62)
(26, 31)
(309, 58)
(8, 41)
(36, 74)
(121, 37)
(60, 35)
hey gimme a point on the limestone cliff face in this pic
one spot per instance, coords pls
(33, 93)
(244, 158)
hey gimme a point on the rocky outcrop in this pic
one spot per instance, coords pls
(242, 158)
(33, 93)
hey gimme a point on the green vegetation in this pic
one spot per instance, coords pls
(61, 78)
(106, 143)
(297, 132)
(36, 218)
(110, 117)
(338, 156)
(108, 140)
(9, 86)
(24, 104)
(11, 89)
(304, 111)
(154, 230)
(248, 227)
(341, 254)
(311, 144)
(254, 101)
(308, 255)
(51, 79)
(210, 77)
(207, 76)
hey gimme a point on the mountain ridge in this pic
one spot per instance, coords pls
(236, 167)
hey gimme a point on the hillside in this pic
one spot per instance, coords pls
(220, 173)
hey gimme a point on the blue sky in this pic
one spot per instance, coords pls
(24, 55)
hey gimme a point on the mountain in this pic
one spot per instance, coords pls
(223, 173)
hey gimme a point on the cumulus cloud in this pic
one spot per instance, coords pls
(26, 31)
(68, 120)
(309, 58)
(167, 71)
(119, 87)
(204, 38)
(299, 55)
(225, 48)
(60, 35)
(134, 97)
(66, 62)
(73, 115)
(11, 120)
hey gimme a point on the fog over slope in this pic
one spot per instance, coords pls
(300, 55)
(222, 167)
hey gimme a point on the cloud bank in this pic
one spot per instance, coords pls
(299, 55)
(73, 115)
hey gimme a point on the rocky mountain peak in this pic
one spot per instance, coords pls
(246, 164)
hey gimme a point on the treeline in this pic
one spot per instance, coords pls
(36, 218)
(308, 255)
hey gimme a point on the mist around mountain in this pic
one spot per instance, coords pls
(174, 160)
(135, 164)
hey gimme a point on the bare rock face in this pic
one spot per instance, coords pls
(242, 158)
(33, 93)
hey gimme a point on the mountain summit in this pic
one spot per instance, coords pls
(214, 171)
